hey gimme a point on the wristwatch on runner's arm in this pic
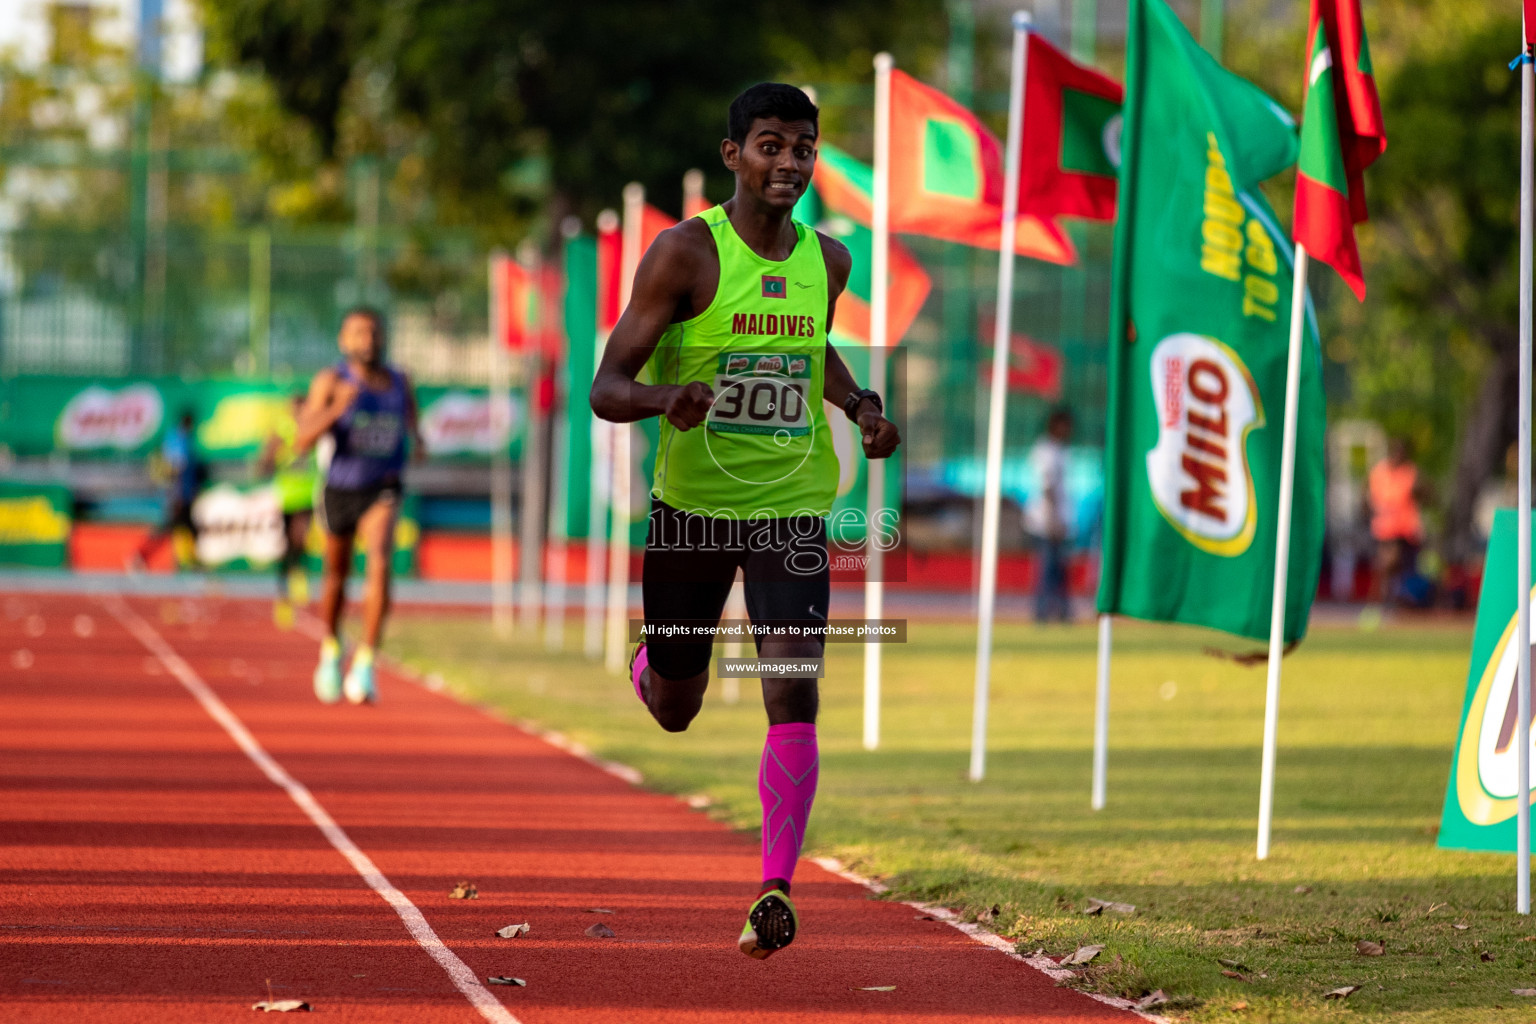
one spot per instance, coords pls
(851, 403)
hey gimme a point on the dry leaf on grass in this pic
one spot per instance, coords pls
(1342, 993)
(1234, 976)
(1157, 998)
(989, 915)
(1239, 1006)
(1082, 956)
(875, 988)
(512, 931)
(1096, 907)
(1523, 991)
(1365, 947)
(281, 1006)
(507, 979)
(464, 891)
(1302, 890)
(1236, 965)
(1461, 927)
(599, 931)
(1486, 957)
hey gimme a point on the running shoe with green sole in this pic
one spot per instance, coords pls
(771, 925)
(358, 686)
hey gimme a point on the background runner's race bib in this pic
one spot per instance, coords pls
(761, 393)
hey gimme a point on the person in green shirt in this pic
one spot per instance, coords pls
(728, 319)
(294, 477)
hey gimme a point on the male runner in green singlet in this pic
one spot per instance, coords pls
(730, 310)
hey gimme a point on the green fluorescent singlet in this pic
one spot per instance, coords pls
(765, 449)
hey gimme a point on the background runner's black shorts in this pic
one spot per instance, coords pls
(344, 507)
(691, 562)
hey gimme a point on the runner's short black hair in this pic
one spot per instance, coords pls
(769, 99)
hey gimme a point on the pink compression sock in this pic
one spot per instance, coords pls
(786, 785)
(642, 660)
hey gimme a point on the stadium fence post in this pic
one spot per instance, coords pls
(1523, 501)
(618, 538)
(1101, 717)
(501, 457)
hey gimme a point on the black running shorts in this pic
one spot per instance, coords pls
(690, 565)
(344, 507)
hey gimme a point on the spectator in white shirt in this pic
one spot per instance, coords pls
(1047, 518)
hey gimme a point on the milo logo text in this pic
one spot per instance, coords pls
(769, 364)
(797, 366)
(1198, 472)
(737, 364)
(100, 417)
(772, 325)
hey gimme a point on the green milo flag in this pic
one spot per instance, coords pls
(1483, 794)
(1201, 316)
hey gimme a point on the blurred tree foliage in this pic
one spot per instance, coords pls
(511, 111)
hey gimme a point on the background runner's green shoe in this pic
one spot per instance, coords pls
(328, 676)
(771, 924)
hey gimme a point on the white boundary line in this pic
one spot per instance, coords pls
(458, 971)
(1040, 962)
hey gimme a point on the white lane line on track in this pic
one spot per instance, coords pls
(458, 971)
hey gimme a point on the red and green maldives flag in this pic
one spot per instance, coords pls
(1070, 160)
(1341, 135)
(946, 178)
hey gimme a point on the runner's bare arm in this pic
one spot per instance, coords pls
(880, 435)
(329, 399)
(664, 280)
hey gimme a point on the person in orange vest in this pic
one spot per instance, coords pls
(1396, 524)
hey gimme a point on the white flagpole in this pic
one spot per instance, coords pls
(1282, 548)
(874, 469)
(598, 485)
(1001, 336)
(530, 573)
(1101, 718)
(1523, 504)
(618, 538)
(501, 460)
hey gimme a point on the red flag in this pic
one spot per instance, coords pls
(946, 176)
(1530, 24)
(1033, 368)
(1070, 159)
(652, 223)
(610, 252)
(517, 294)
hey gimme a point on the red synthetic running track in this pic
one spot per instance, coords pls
(151, 871)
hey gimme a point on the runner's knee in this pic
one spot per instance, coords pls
(675, 703)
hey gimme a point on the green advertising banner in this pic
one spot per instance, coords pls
(35, 521)
(576, 371)
(1481, 796)
(43, 415)
(1200, 324)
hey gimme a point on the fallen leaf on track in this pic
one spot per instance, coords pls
(876, 988)
(507, 979)
(1157, 998)
(1365, 947)
(599, 931)
(1342, 993)
(464, 891)
(1082, 956)
(1096, 906)
(599, 910)
(281, 1006)
(924, 917)
(512, 931)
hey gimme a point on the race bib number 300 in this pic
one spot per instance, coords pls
(758, 393)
